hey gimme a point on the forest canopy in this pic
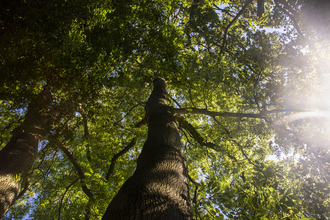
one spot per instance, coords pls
(248, 88)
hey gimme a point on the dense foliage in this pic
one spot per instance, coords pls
(250, 94)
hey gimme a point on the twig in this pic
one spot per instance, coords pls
(222, 10)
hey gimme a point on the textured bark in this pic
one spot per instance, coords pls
(17, 157)
(159, 187)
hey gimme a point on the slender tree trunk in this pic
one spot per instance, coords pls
(17, 157)
(159, 187)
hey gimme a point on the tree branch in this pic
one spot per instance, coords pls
(213, 114)
(291, 16)
(78, 168)
(194, 200)
(222, 10)
(193, 181)
(86, 132)
(224, 41)
(116, 156)
(128, 112)
(85, 120)
(260, 9)
(176, 102)
(188, 127)
(238, 144)
(141, 123)
(66, 190)
(26, 187)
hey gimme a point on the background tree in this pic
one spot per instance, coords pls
(244, 95)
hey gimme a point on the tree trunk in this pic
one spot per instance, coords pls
(17, 157)
(159, 186)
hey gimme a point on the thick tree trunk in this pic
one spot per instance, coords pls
(17, 157)
(15, 161)
(159, 187)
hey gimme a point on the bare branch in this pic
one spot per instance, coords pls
(88, 212)
(176, 102)
(260, 9)
(194, 200)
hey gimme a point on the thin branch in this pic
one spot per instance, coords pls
(204, 99)
(176, 102)
(116, 156)
(222, 10)
(85, 120)
(86, 132)
(260, 9)
(238, 144)
(45, 174)
(291, 16)
(89, 158)
(88, 212)
(190, 96)
(194, 200)
(66, 190)
(128, 112)
(224, 41)
(78, 168)
(185, 134)
(26, 187)
(244, 154)
(193, 132)
(193, 181)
